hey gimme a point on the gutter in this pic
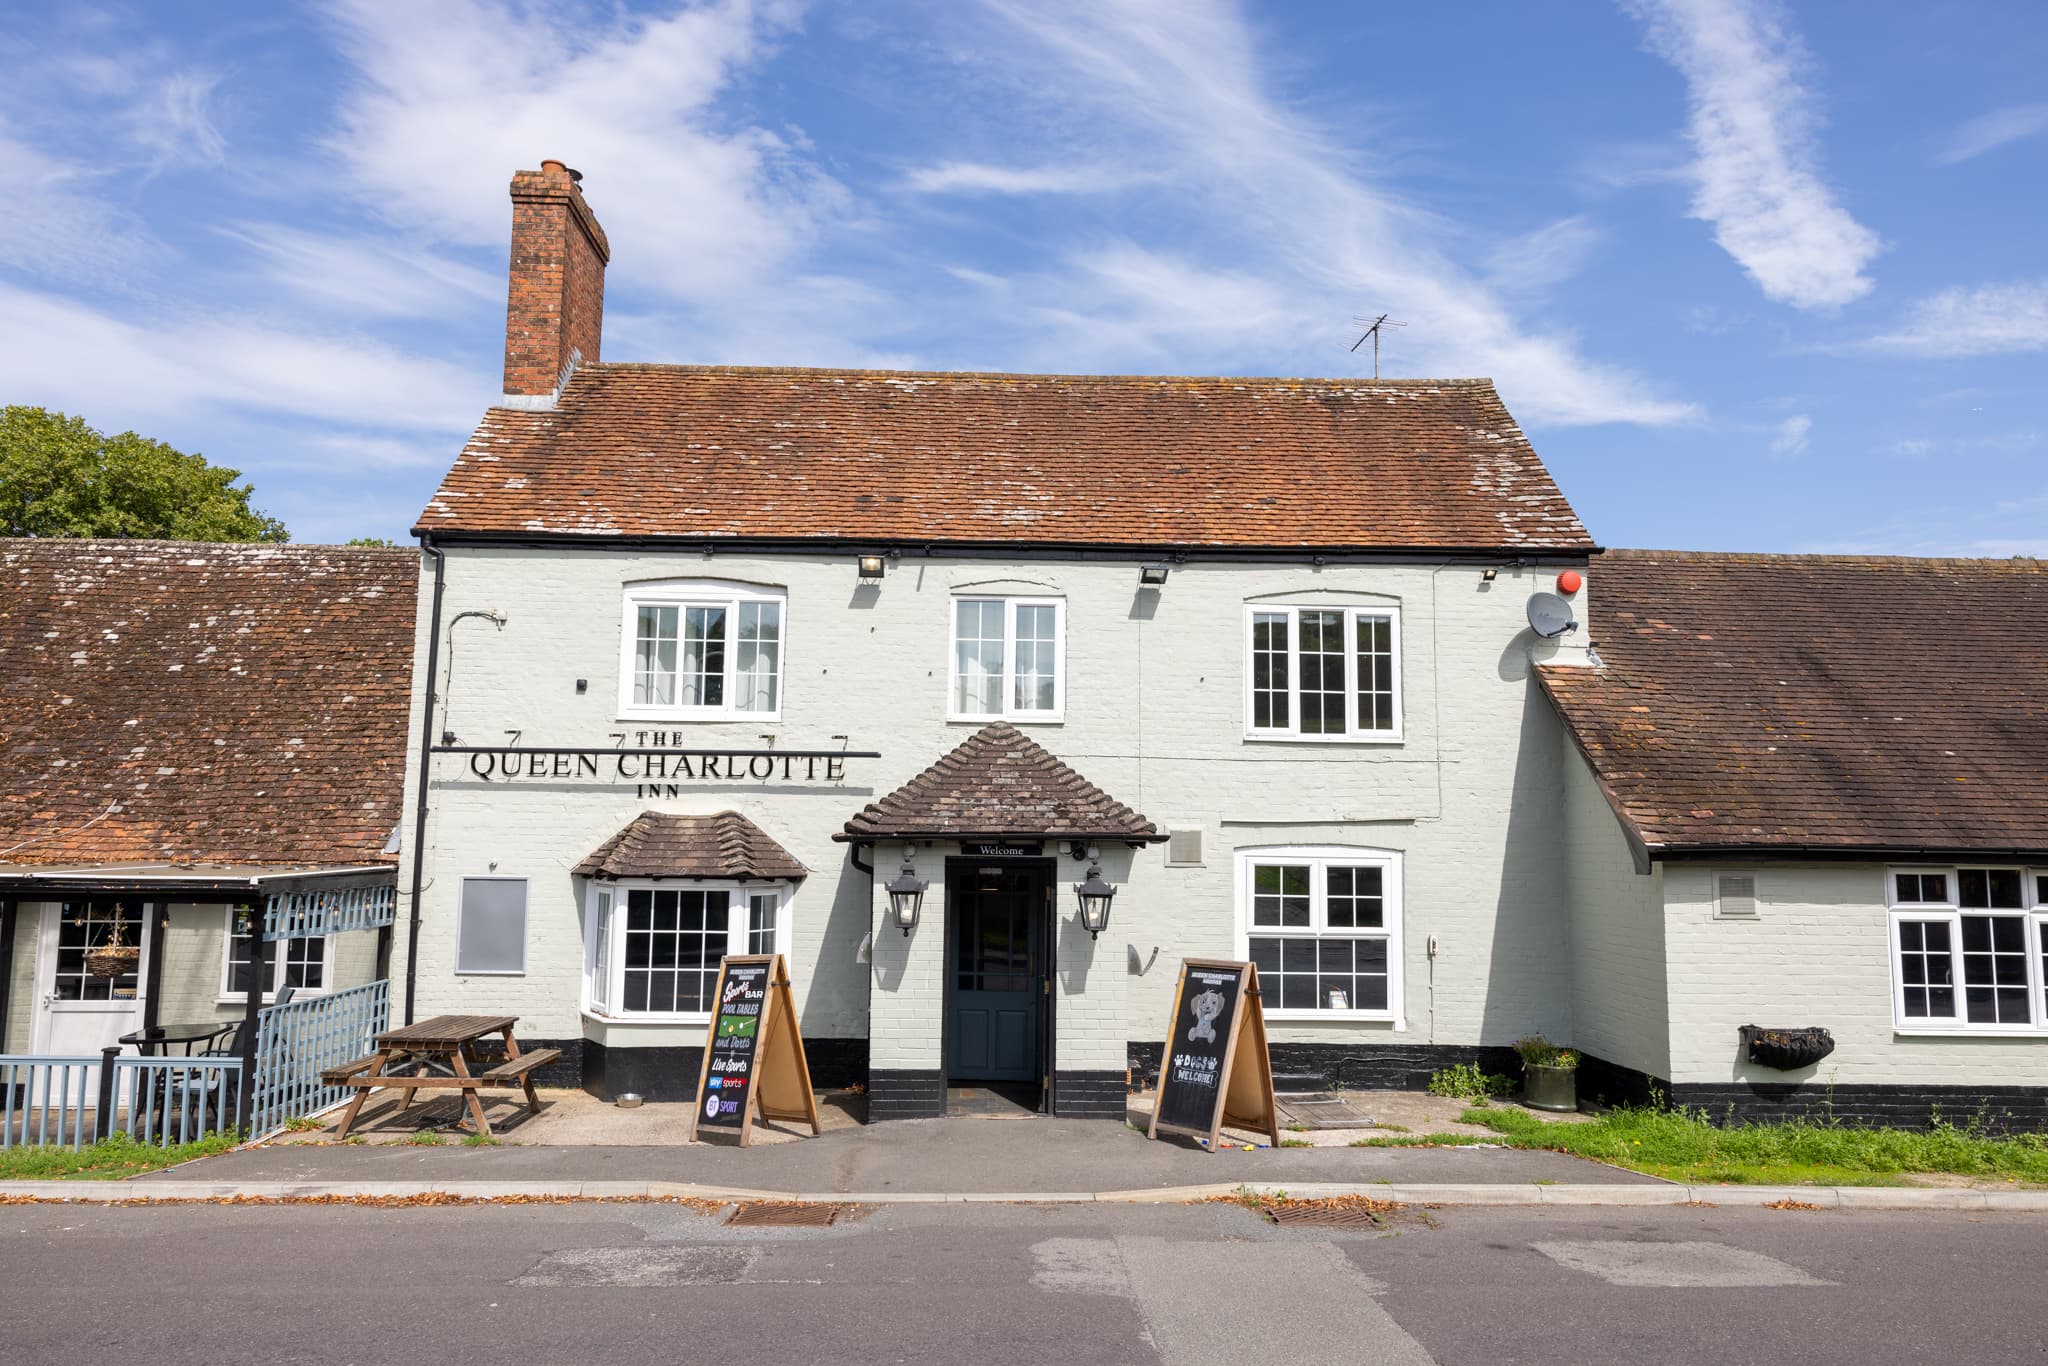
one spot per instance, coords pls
(1839, 853)
(419, 826)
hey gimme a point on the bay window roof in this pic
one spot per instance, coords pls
(663, 844)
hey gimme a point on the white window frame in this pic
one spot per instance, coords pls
(1292, 731)
(1321, 857)
(2033, 914)
(604, 930)
(231, 992)
(683, 594)
(1009, 711)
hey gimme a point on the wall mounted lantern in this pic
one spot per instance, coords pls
(906, 896)
(1152, 575)
(872, 568)
(1095, 896)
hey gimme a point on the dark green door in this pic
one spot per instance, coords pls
(998, 925)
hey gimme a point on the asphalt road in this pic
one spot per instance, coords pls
(968, 1284)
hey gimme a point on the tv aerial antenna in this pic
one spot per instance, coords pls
(1373, 327)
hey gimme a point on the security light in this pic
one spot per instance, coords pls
(872, 567)
(1152, 575)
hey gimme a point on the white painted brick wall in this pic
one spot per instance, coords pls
(1154, 715)
(1617, 932)
(1817, 954)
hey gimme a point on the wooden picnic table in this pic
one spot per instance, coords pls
(447, 1041)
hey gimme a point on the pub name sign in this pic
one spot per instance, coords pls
(657, 771)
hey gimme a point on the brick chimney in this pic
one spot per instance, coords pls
(554, 314)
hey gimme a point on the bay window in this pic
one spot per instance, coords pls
(1322, 672)
(652, 950)
(1007, 658)
(1323, 927)
(702, 650)
(1969, 949)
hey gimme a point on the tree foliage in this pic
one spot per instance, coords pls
(60, 477)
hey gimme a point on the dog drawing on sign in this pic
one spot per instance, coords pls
(1207, 1007)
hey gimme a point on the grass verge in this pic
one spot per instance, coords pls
(109, 1159)
(1680, 1145)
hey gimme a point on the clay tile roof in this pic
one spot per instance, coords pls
(1817, 702)
(664, 844)
(888, 456)
(999, 784)
(197, 704)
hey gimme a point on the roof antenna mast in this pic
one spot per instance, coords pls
(1373, 327)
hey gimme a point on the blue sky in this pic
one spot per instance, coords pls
(1753, 275)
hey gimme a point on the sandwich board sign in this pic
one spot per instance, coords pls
(1216, 1070)
(754, 1058)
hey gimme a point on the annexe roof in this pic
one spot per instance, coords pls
(1817, 704)
(657, 844)
(229, 707)
(902, 458)
(999, 784)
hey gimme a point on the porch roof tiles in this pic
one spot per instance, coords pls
(657, 844)
(999, 784)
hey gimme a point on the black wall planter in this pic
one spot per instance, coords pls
(1787, 1049)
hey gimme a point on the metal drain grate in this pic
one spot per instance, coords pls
(783, 1214)
(1323, 1216)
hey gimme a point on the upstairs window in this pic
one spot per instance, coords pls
(1969, 949)
(1323, 673)
(1007, 658)
(702, 651)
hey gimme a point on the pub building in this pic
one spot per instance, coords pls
(985, 698)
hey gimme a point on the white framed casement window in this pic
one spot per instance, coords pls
(305, 964)
(702, 650)
(1324, 672)
(1323, 925)
(1007, 659)
(651, 950)
(1969, 949)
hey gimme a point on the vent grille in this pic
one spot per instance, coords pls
(1735, 896)
(1184, 846)
(784, 1214)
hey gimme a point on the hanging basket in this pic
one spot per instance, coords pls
(112, 960)
(1787, 1049)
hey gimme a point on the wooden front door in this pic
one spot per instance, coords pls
(998, 918)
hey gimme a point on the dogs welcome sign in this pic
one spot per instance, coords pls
(1216, 1070)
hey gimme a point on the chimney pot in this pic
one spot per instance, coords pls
(552, 166)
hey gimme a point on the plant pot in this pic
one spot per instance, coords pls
(112, 961)
(1787, 1049)
(1550, 1088)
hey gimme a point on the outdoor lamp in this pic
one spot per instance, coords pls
(872, 567)
(1095, 896)
(906, 896)
(1152, 575)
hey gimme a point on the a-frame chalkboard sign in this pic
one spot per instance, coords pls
(754, 1058)
(1216, 1070)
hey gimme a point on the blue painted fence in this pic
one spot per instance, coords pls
(61, 1102)
(299, 1039)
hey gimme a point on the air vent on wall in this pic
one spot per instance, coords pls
(1735, 897)
(1184, 846)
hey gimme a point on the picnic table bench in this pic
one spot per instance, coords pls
(447, 1041)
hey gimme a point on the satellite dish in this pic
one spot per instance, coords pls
(1550, 616)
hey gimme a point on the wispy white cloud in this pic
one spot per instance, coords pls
(1987, 320)
(364, 275)
(56, 222)
(1544, 258)
(1987, 132)
(1756, 172)
(171, 119)
(444, 101)
(63, 354)
(975, 177)
(1284, 228)
(1791, 435)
